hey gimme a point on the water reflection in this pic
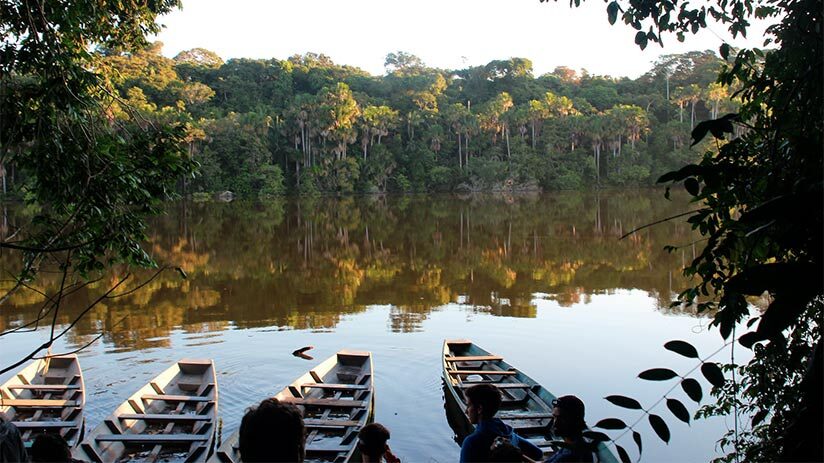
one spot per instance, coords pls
(306, 264)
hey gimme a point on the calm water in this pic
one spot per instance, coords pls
(542, 280)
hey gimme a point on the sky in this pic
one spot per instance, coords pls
(449, 34)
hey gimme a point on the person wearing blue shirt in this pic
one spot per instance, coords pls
(482, 403)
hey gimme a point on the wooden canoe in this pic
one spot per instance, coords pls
(526, 406)
(174, 416)
(47, 395)
(336, 398)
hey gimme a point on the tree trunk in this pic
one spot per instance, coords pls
(533, 135)
(460, 152)
(692, 115)
(508, 153)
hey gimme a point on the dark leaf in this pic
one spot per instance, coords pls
(699, 132)
(725, 51)
(680, 174)
(692, 186)
(623, 455)
(611, 423)
(637, 438)
(752, 321)
(682, 347)
(624, 402)
(660, 427)
(748, 339)
(679, 410)
(596, 436)
(759, 417)
(657, 374)
(641, 39)
(713, 373)
(693, 389)
(612, 12)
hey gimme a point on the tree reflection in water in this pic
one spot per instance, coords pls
(305, 263)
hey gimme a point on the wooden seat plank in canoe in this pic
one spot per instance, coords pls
(474, 358)
(467, 384)
(163, 417)
(523, 416)
(316, 423)
(327, 449)
(176, 398)
(45, 387)
(329, 403)
(45, 424)
(482, 372)
(152, 438)
(41, 403)
(335, 386)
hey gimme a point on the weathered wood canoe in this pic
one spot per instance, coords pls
(47, 395)
(526, 406)
(173, 417)
(336, 398)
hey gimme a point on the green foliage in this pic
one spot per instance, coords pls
(304, 111)
(759, 195)
(95, 175)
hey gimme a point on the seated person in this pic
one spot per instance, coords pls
(272, 431)
(568, 424)
(49, 448)
(11, 444)
(482, 403)
(372, 444)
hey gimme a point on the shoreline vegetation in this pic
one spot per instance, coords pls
(306, 125)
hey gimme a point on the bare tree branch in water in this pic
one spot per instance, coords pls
(56, 301)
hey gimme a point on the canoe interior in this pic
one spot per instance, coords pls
(526, 405)
(172, 417)
(336, 398)
(47, 395)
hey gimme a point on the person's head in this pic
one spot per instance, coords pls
(372, 440)
(482, 402)
(272, 431)
(503, 451)
(568, 416)
(49, 447)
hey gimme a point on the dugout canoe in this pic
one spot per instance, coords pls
(336, 398)
(172, 417)
(526, 405)
(47, 395)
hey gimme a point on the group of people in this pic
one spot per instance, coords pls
(495, 441)
(46, 447)
(274, 432)
(492, 441)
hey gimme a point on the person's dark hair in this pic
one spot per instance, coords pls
(49, 447)
(373, 439)
(503, 451)
(272, 431)
(487, 396)
(572, 410)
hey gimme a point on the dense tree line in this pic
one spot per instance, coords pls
(308, 125)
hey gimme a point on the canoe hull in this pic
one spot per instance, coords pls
(173, 415)
(526, 404)
(48, 395)
(336, 398)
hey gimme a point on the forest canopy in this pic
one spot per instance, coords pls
(264, 127)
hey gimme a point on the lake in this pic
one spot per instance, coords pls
(543, 280)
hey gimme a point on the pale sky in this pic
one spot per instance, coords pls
(443, 33)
